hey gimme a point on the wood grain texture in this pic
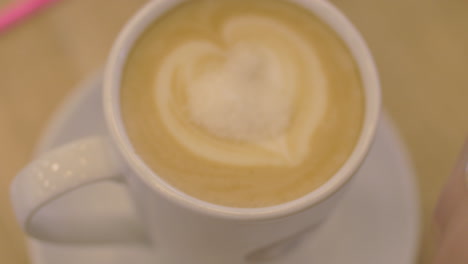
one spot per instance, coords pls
(421, 49)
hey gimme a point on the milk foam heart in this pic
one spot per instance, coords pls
(245, 92)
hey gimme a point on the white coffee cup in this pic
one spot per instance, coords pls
(181, 228)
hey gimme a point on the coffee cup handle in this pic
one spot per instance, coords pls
(55, 173)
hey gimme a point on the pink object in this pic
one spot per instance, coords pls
(19, 11)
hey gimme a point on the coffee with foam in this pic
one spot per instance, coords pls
(242, 103)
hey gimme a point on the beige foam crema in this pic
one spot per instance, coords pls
(242, 103)
(245, 91)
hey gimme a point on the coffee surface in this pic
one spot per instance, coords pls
(242, 103)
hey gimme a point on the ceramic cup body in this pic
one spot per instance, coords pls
(182, 225)
(183, 229)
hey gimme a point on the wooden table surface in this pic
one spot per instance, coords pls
(421, 49)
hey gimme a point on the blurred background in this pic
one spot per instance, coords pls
(420, 47)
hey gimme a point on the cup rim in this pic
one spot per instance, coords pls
(325, 11)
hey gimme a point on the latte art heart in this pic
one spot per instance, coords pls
(252, 98)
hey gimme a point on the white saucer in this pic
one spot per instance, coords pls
(377, 221)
